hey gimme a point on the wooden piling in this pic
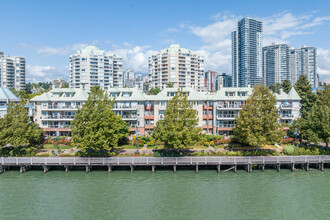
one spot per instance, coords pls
(278, 167)
(67, 169)
(132, 168)
(307, 166)
(109, 168)
(321, 166)
(22, 169)
(196, 168)
(88, 169)
(235, 168)
(153, 168)
(174, 168)
(2, 169)
(46, 169)
(292, 167)
(218, 168)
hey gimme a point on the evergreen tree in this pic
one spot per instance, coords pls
(17, 131)
(286, 86)
(306, 94)
(178, 129)
(154, 91)
(315, 126)
(275, 87)
(96, 129)
(324, 95)
(257, 122)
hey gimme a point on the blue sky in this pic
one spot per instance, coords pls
(47, 32)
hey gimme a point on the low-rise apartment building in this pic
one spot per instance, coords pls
(216, 112)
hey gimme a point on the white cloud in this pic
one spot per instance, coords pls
(277, 28)
(135, 58)
(323, 63)
(45, 73)
(60, 51)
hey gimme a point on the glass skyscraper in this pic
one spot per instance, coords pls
(247, 53)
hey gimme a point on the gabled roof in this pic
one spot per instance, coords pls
(7, 95)
(293, 95)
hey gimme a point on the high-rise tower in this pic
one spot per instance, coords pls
(247, 53)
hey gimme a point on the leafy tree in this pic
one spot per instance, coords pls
(324, 95)
(96, 129)
(178, 129)
(308, 98)
(154, 91)
(17, 132)
(275, 87)
(257, 122)
(315, 126)
(169, 85)
(286, 86)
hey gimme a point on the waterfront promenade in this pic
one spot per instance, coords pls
(217, 162)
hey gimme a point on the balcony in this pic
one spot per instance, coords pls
(287, 117)
(207, 117)
(55, 126)
(286, 106)
(228, 106)
(149, 126)
(129, 117)
(162, 107)
(61, 107)
(222, 117)
(125, 107)
(149, 117)
(57, 117)
(226, 125)
(207, 107)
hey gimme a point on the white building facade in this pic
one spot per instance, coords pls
(216, 112)
(12, 72)
(94, 67)
(179, 66)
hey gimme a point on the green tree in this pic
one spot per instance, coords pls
(324, 95)
(17, 131)
(257, 122)
(169, 85)
(96, 129)
(275, 87)
(178, 129)
(154, 91)
(306, 94)
(286, 86)
(315, 126)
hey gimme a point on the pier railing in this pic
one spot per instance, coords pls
(145, 161)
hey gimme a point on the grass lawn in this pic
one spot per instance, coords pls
(199, 147)
(53, 146)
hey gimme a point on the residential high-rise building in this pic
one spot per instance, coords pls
(128, 78)
(247, 53)
(223, 81)
(58, 83)
(94, 67)
(12, 72)
(210, 81)
(295, 65)
(179, 66)
(276, 61)
(309, 65)
(304, 61)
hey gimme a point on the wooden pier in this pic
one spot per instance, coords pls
(220, 163)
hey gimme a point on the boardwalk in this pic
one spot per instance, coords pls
(232, 162)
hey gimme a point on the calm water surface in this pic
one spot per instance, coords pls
(165, 195)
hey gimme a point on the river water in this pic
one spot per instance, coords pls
(165, 195)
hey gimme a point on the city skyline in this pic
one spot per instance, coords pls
(205, 27)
